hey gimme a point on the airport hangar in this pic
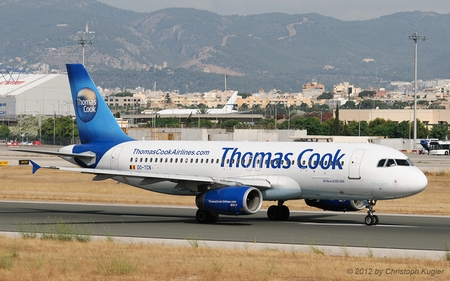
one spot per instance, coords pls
(34, 94)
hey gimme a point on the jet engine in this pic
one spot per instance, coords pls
(337, 205)
(239, 200)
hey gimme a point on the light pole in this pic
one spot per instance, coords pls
(359, 121)
(83, 42)
(415, 37)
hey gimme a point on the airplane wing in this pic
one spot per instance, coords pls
(149, 178)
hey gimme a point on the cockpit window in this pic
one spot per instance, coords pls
(402, 162)
(390, 162)
(394, 162)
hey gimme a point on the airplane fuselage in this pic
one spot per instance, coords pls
(294, 170)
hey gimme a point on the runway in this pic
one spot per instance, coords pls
(303, 228)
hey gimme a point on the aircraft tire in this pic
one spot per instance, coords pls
(214, 217)
(375, 220)
(283, 213)
(369, 220)
(272, 213)
(204, 216)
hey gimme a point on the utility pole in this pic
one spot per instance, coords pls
(83, 42)
(415, 37)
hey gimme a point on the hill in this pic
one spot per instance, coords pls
(271, 50)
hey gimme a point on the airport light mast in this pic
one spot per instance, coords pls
(83, 42)
(416, 37)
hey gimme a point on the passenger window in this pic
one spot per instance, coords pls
(166, 160)
(131, 159)
(150, 160)
(196, 160)
(140, 160)
(381, 163)
(136, 159)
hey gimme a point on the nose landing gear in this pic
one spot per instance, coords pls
(371, 219)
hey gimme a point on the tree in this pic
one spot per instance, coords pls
(356, 128)
(404, 130)
(336, 129)
(229, 124)
(439, 131)
(266, 123)
(311, 124)
(61, 126)
(364, 94)
(325, 96)
(124, 94)
(171, 122)
(167, 98)
(244, 107)
(382, 127)
(349, 105)
(4, 132)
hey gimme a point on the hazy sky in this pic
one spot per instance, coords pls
(340, 9)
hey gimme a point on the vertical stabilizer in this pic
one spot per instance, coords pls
(94, 119)
(228, 108)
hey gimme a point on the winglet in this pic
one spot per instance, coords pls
(36, 166)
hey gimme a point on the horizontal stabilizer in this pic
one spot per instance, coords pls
(88, 155)
(36, 166)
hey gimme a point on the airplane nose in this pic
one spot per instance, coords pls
(417, 182)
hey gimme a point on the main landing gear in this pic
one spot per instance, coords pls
(371, 219)
(204, 216)
(278, 212)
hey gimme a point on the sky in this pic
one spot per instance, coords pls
(347, 10)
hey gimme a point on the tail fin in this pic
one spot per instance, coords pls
(95, 121)
(228, 108)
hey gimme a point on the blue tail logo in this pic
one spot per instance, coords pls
(87, 104)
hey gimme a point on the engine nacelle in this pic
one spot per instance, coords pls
(336, 205)
(239, 200)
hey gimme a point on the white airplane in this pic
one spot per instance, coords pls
(233, 178)
(227, 109)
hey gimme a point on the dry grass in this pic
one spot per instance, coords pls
(36, 259)
(51, 185)
(27, 259)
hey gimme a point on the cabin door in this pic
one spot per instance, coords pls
(115, 157)
(355, 164)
